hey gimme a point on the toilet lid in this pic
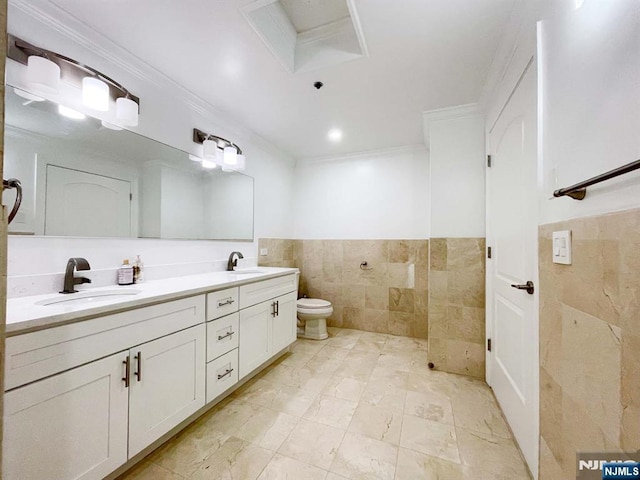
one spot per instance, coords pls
(313, 303)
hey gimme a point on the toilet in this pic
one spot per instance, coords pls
(312, 318)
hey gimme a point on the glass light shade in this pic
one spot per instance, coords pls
(70, 113)
(208, 164)
(95, 94)
(43, 74)
(110, 126)
(29, 96)
(127, 112)
(210, 149)
(230, 155)
(242, 162)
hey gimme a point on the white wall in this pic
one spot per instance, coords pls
(168, 114)
(371, 195)
(457, 171)
(589, 94)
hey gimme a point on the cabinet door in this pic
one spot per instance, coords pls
(284, 323)
(69, 426)
(255, 336)
(167, 385)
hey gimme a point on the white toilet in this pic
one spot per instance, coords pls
(312, 318)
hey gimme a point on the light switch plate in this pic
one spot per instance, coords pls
(561, 245)
(264, 252)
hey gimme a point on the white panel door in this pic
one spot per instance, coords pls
(69, 426)
(167, 385)
(284, 322)
(512, 365)
(86, 205)
(255, 336)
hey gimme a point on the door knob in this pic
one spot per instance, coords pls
(527, 286)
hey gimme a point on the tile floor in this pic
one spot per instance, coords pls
(355, 406)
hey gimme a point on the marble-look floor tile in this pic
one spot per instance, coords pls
(230, 416)
(313, 443)
(430, 406)
(345, 388)
(283, 468)
(267, 428)
(414, 465)
(491, 453)
(379, 423)
(479, 413)
(189, 449)
(282, 398)
(332, 353)
(383, 393)
(431, 438)
(331, 411)
(147, 470)
(235, 459)
(307, 347)
(362, 457)
(296, 359)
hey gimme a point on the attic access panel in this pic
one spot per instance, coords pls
(306, 35)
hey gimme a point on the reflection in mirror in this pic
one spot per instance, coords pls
(84, 180)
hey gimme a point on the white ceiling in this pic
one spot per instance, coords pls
(423, 55)
(308, 14)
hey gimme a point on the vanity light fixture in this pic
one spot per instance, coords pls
(45, 70)
(220, 151)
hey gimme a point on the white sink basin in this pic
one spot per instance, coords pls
(246, 271)
(88, 297)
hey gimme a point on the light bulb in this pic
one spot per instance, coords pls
(208, 164)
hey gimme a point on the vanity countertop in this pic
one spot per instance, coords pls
(24, 315)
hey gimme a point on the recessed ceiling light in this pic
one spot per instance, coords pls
(335, 134)
(70, 113)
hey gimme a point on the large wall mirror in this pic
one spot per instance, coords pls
(84, 180)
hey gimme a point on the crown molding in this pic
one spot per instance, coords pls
(449, 113)
(416, 148)
(66, 24)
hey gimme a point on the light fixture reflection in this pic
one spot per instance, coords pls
(208, 164)
(127, 112)
(70, 113)
(230, 155)
(111, 126)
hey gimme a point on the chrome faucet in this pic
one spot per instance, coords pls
(231, 264)
(70, 281)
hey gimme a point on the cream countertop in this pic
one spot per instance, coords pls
(24, 315)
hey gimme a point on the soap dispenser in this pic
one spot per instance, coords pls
(125, 273)
(138, 270)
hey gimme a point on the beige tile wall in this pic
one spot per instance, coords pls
(590, 342)
(391, 296)
(456, 305)
(280, 252)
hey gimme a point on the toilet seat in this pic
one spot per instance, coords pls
(312, 303)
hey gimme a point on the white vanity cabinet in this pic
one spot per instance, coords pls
(167, 385)
(269, 326)
(97, 413)
(71, 425)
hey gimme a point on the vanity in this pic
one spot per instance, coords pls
(91, 384)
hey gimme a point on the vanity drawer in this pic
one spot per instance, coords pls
(222, 303)
(258, 292)
(222, 335)
(36, 355)
(222, 374)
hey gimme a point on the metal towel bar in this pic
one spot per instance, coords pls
(579, 190)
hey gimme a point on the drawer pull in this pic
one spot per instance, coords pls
(228, 372)
(228, 301)
(222, 337)
(138, 372)
(127, 372)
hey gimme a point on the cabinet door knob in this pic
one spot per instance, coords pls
(138, 372)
